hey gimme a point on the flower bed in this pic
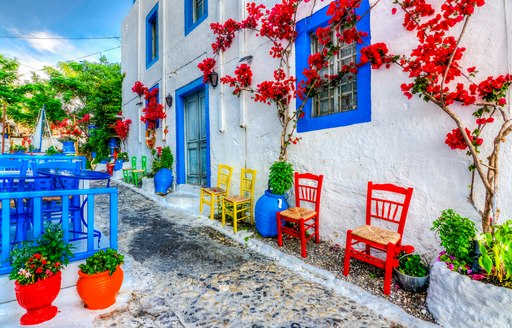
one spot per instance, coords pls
(456, 300)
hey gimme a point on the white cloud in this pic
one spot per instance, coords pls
(43, 42)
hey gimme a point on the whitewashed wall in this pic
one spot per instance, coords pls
(403, 144)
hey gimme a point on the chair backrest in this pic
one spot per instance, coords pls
(224, 177)
(247, 183)
(134, 162)
(308, 189)
(144, 161)
(7, 164)
(389, 203)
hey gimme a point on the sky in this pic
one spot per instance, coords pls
(36, 32)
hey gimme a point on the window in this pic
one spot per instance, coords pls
(196, 11)
(343, 103)
(342, 95)
(152, 37)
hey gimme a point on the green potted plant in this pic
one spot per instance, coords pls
(36, 270)
(162, 169)
(410, 270)
(100, 278)
(53, 151)
(496, 258)
(457, 236)
(274, 200)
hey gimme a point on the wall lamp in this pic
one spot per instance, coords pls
(168, 100)
(213, 79)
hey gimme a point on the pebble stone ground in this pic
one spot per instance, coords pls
(185, 274)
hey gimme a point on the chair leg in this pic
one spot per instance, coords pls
(348, 248)
(251, 211)
(389, 268)
(235, 217)
(223, 212)
(302, 239)
(279, 234)
(212, 206)
(317, 230)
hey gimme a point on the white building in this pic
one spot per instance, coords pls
(389, 139)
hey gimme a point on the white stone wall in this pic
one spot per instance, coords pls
(403, 143)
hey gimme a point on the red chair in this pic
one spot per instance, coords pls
(296, 221)
(384, 203)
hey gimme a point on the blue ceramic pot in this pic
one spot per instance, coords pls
(265, 212)
(163, 180)
(118, 165)
(68, 147)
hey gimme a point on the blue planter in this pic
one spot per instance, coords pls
(112, 144)
(265, 212)
(68, 147)
(118, 165)
(163, 180)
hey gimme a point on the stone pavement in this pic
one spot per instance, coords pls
(181, 271)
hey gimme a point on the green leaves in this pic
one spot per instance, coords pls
(280, 178)
(456, 233)
(412, 265)
(496, 252)
(102, 261)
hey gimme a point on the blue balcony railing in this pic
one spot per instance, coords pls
(79, 226)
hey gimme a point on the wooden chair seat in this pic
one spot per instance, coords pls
(376, 234)
(215, 191)
(297, 213)
(237, 199)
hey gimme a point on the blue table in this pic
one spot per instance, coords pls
(58, 175)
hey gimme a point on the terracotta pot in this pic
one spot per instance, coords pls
(37, 299)
(150, 138)
(99, 290)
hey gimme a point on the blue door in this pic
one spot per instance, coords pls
(196, 138)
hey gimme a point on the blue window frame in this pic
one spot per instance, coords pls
(196, 11)
(362, 113)
(152, 37)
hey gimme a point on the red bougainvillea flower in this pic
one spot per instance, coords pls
(455, 140)
(139, 88)
(207, 66)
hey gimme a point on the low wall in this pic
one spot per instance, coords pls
(456, 300)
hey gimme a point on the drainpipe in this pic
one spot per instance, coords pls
(164, 67)
(243, 56)
(222, 124)
(139, 66)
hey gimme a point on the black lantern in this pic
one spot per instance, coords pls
(213, 78)
(168, 100)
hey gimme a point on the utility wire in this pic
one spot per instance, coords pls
(69, 60)
(59, 38)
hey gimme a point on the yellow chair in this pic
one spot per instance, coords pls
(213, 196)
(241, 207)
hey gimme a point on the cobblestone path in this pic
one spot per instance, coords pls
(187, 275)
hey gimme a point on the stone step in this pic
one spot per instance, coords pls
(185, 198)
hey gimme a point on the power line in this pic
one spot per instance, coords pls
(60, 38)
(69, 60)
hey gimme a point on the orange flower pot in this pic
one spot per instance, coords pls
(37, 299)
(99, 290)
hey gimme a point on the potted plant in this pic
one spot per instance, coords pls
(274, 200)
(162, 169)
(53, 151)
(410, 270)
(36, 269)
(100, 278)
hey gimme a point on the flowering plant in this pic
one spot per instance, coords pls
(122, 128)
(153, 110)
(162, 158)
(68, 131)
(408, 263)
(42, 258)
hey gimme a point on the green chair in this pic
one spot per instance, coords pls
(138, 174)
(127, 173)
